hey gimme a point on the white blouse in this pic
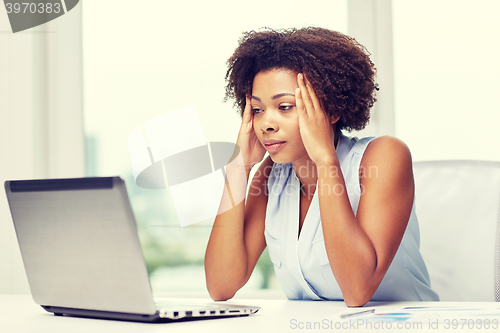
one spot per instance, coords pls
(301, 264)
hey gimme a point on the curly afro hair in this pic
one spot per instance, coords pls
(337, 66)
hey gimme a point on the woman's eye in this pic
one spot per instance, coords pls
(285, 107)
(256, 111)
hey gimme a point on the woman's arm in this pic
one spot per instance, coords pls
(361, 248)
(237, 238)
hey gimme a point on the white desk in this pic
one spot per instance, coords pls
(18, 313)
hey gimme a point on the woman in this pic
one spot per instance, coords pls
(335, 212)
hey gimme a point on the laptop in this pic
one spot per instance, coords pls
(80, 248)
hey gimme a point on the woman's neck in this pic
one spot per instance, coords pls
(307, 174)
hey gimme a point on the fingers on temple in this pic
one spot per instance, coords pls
(247, 112)
(312, 94)
(305, 94)
(301, 108)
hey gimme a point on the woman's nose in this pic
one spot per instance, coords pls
(269, 123)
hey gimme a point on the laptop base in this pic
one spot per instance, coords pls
(96, 314)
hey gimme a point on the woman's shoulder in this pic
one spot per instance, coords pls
(388, 154)
(387, 148)
(382, 142)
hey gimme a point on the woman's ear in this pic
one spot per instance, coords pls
(334, 119)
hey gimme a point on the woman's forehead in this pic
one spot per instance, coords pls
(275, 81)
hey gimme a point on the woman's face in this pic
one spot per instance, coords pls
(275, 118)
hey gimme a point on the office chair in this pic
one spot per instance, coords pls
(458, 209)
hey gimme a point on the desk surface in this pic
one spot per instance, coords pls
(18, 313)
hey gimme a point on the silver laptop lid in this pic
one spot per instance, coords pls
(79, 244)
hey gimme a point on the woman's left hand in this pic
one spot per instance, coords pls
(314, 124)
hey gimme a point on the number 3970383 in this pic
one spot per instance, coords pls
(32, 8)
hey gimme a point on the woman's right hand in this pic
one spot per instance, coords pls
(250, 147)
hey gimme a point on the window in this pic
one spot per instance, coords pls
(144, 59)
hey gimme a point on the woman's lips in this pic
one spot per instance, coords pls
(273, 146)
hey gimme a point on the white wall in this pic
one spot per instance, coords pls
(41, 127)
(16, 144)
(446, 72)
(370, 22)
